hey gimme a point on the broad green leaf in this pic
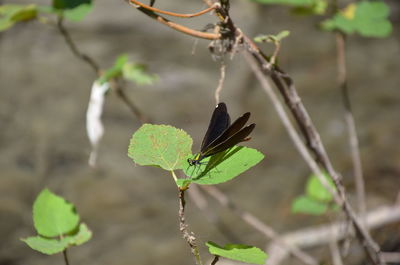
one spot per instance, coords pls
(307, 205)
(138, 74)
(11, 14)
(53, 215)
(78, 13)
(317, 191)
(69, 4)
(51, 246)
(367, 18)
(160, 145)
(223, 166)
(243, 253)
(82, 236)
(116, 70)
(46, 245)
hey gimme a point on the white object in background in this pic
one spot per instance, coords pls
(94, 126)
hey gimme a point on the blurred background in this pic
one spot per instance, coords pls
(132, 210)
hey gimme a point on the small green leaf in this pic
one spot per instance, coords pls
(182, 183)
(243, 253)
(69, 4)
(46, 245)
(307, 205)
(272, 38)
(11, 14)
(317, 191)
(138, 73)
(367, 18)
(301, 6)
(78, 13)
(223, 166)
(53, 216)
(82, 236)
(160, 145)
(114, 71)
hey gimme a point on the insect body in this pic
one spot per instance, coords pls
(221, 134)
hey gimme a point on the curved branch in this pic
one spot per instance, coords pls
(156, 10)
(178, 27)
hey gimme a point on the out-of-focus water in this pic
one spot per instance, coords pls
(132, 210)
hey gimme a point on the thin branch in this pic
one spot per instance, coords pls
(220, 82)
(285, 85)
(178, 27)
(183, 227)
(257, 224)
(96, 68)
(320, 235)
(391, 257)
(334, 248)
(351, 127)
(65, 255)
(71, 44)
(156, 10)
(215, 260)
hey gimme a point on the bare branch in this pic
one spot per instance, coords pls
(156, 10)
(183, 227)
(351, 126)
(320, 235)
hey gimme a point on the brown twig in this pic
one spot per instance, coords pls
(178, 27)
(96, 68)
(319, 235)
(215, 260)
(183, 227)
(71, 44)
(351, 127)
(156, 10)
(257, 224)
(65, 255)
(220, 82)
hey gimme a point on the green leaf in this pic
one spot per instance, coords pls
(78, 13)
(138, 74)
(307, 205)
(160, 145)
(272, 38)
(69, 4)
(82, 236)
(46, 245)
(182, 183)
(53, 216)
(52, 246)
(243, 253)
(223, 166)
(317, 191)
(301, 6)
(367, 18)
(11, 14)
(116, 70)
(286, 2)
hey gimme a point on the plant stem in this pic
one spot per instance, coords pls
(351, 127)
(183, 227)
(65, 254)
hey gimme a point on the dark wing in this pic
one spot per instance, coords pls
(231, 130)
(238, 137)
(220, 120)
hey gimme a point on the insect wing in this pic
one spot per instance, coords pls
(220, 120)
(236, 126)
(238, 137)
